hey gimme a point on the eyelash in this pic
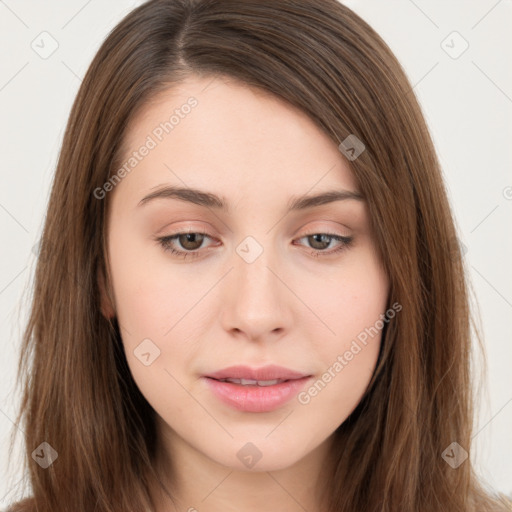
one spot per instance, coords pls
(166, 240)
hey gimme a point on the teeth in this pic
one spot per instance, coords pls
(268, 382)
(250, 382)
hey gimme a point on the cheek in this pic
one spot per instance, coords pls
(154, 306)
(146, 292)
(149, 318)
(144, 305)
(353, 303)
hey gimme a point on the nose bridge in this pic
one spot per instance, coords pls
(255, 282)
(255, 303)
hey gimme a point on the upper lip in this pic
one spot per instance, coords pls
(270, 372)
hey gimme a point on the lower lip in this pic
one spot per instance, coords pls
(256, 398)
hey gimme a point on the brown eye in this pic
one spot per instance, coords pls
(318, 243)
(186, 244)
(190, 241)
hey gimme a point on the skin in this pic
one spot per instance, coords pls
(288, 307)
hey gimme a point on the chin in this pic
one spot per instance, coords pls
(260, 455)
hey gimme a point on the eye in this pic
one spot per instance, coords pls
(192, 242)
(323, 240)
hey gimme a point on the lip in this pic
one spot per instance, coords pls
(254, 398)
(269, 372)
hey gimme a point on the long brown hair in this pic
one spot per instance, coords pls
(318, 55)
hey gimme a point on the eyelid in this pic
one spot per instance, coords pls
(204, 231)
(186, 228)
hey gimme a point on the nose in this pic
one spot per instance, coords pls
(256, 300)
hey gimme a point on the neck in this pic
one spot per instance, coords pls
(195, 483)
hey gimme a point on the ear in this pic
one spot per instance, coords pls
(107, 309)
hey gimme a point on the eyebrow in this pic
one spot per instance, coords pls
(210, 200)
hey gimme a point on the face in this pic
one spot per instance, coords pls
(242, 273)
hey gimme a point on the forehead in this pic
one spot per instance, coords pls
(221, 132)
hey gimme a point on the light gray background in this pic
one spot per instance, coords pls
(467, 102)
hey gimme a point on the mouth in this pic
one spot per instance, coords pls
(256, 390)
(264, 376)
(250, 382)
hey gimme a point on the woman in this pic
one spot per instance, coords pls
(251, 295)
